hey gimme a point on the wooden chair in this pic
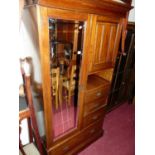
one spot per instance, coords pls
(69, 85)
(29, 148)
(55, 75)
(29, 114)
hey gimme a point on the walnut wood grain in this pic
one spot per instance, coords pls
(42, 18)
(103, 24)
(88, 6)
(95, 82)
(106, 74)
(93, 117)
(66, 14)
(66, 146)
(106, 33)
(93, 106)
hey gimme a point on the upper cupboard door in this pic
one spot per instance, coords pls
(105, 40)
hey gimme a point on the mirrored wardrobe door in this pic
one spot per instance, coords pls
(66, 43)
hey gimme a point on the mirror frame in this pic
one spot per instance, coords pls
(43, 14)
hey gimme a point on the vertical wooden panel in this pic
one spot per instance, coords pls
(112, 37)
(97, 42)
(92, 43)
(104, 42)
(117, 41)
(103, 52)
(84, 68)
(45, 68)
(103, 35)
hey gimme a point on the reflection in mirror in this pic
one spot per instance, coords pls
(66, 42)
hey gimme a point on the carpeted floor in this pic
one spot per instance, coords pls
(119, 135)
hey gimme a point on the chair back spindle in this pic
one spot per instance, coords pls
(29, 113)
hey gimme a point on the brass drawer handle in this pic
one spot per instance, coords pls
(95, 117)
(124, 54)
(123, 83)
(96, 105)
(98, 94)
(92, 130)
(66, 148)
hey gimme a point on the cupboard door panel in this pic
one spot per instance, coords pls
(104, 43)
(102, 31)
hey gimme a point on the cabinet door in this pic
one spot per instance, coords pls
(105, 39)
(65, 54)
(63, 41)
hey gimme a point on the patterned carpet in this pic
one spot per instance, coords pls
(119, 135)
(64, 118)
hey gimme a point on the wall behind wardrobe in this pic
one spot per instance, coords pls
(29, 41)
(132, 13)
(28, 47)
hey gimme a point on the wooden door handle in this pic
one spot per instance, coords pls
(92, 130)
(96, 105)
(95, 117)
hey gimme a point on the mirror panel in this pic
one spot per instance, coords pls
(66, 43)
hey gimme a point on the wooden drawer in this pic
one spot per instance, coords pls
(89, 134)
(96, 94)
(93, 117)
(94, 106)
(92, 130)
(67, 146)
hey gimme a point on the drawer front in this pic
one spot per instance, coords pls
(89, 135)
(85, 134)
(93, 117)
(66, 146)
(91, 130)
(94, 106)
(96, 94)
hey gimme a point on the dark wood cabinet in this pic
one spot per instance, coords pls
(123, 84)
(84, 35)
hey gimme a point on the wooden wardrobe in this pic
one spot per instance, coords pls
(84, 34)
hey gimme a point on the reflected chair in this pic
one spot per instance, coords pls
(35, 145)
(55, 75)
(69, 85)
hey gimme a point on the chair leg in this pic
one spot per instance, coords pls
(56, 100)
(69, 97)
(65, 97)
(21, 149)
